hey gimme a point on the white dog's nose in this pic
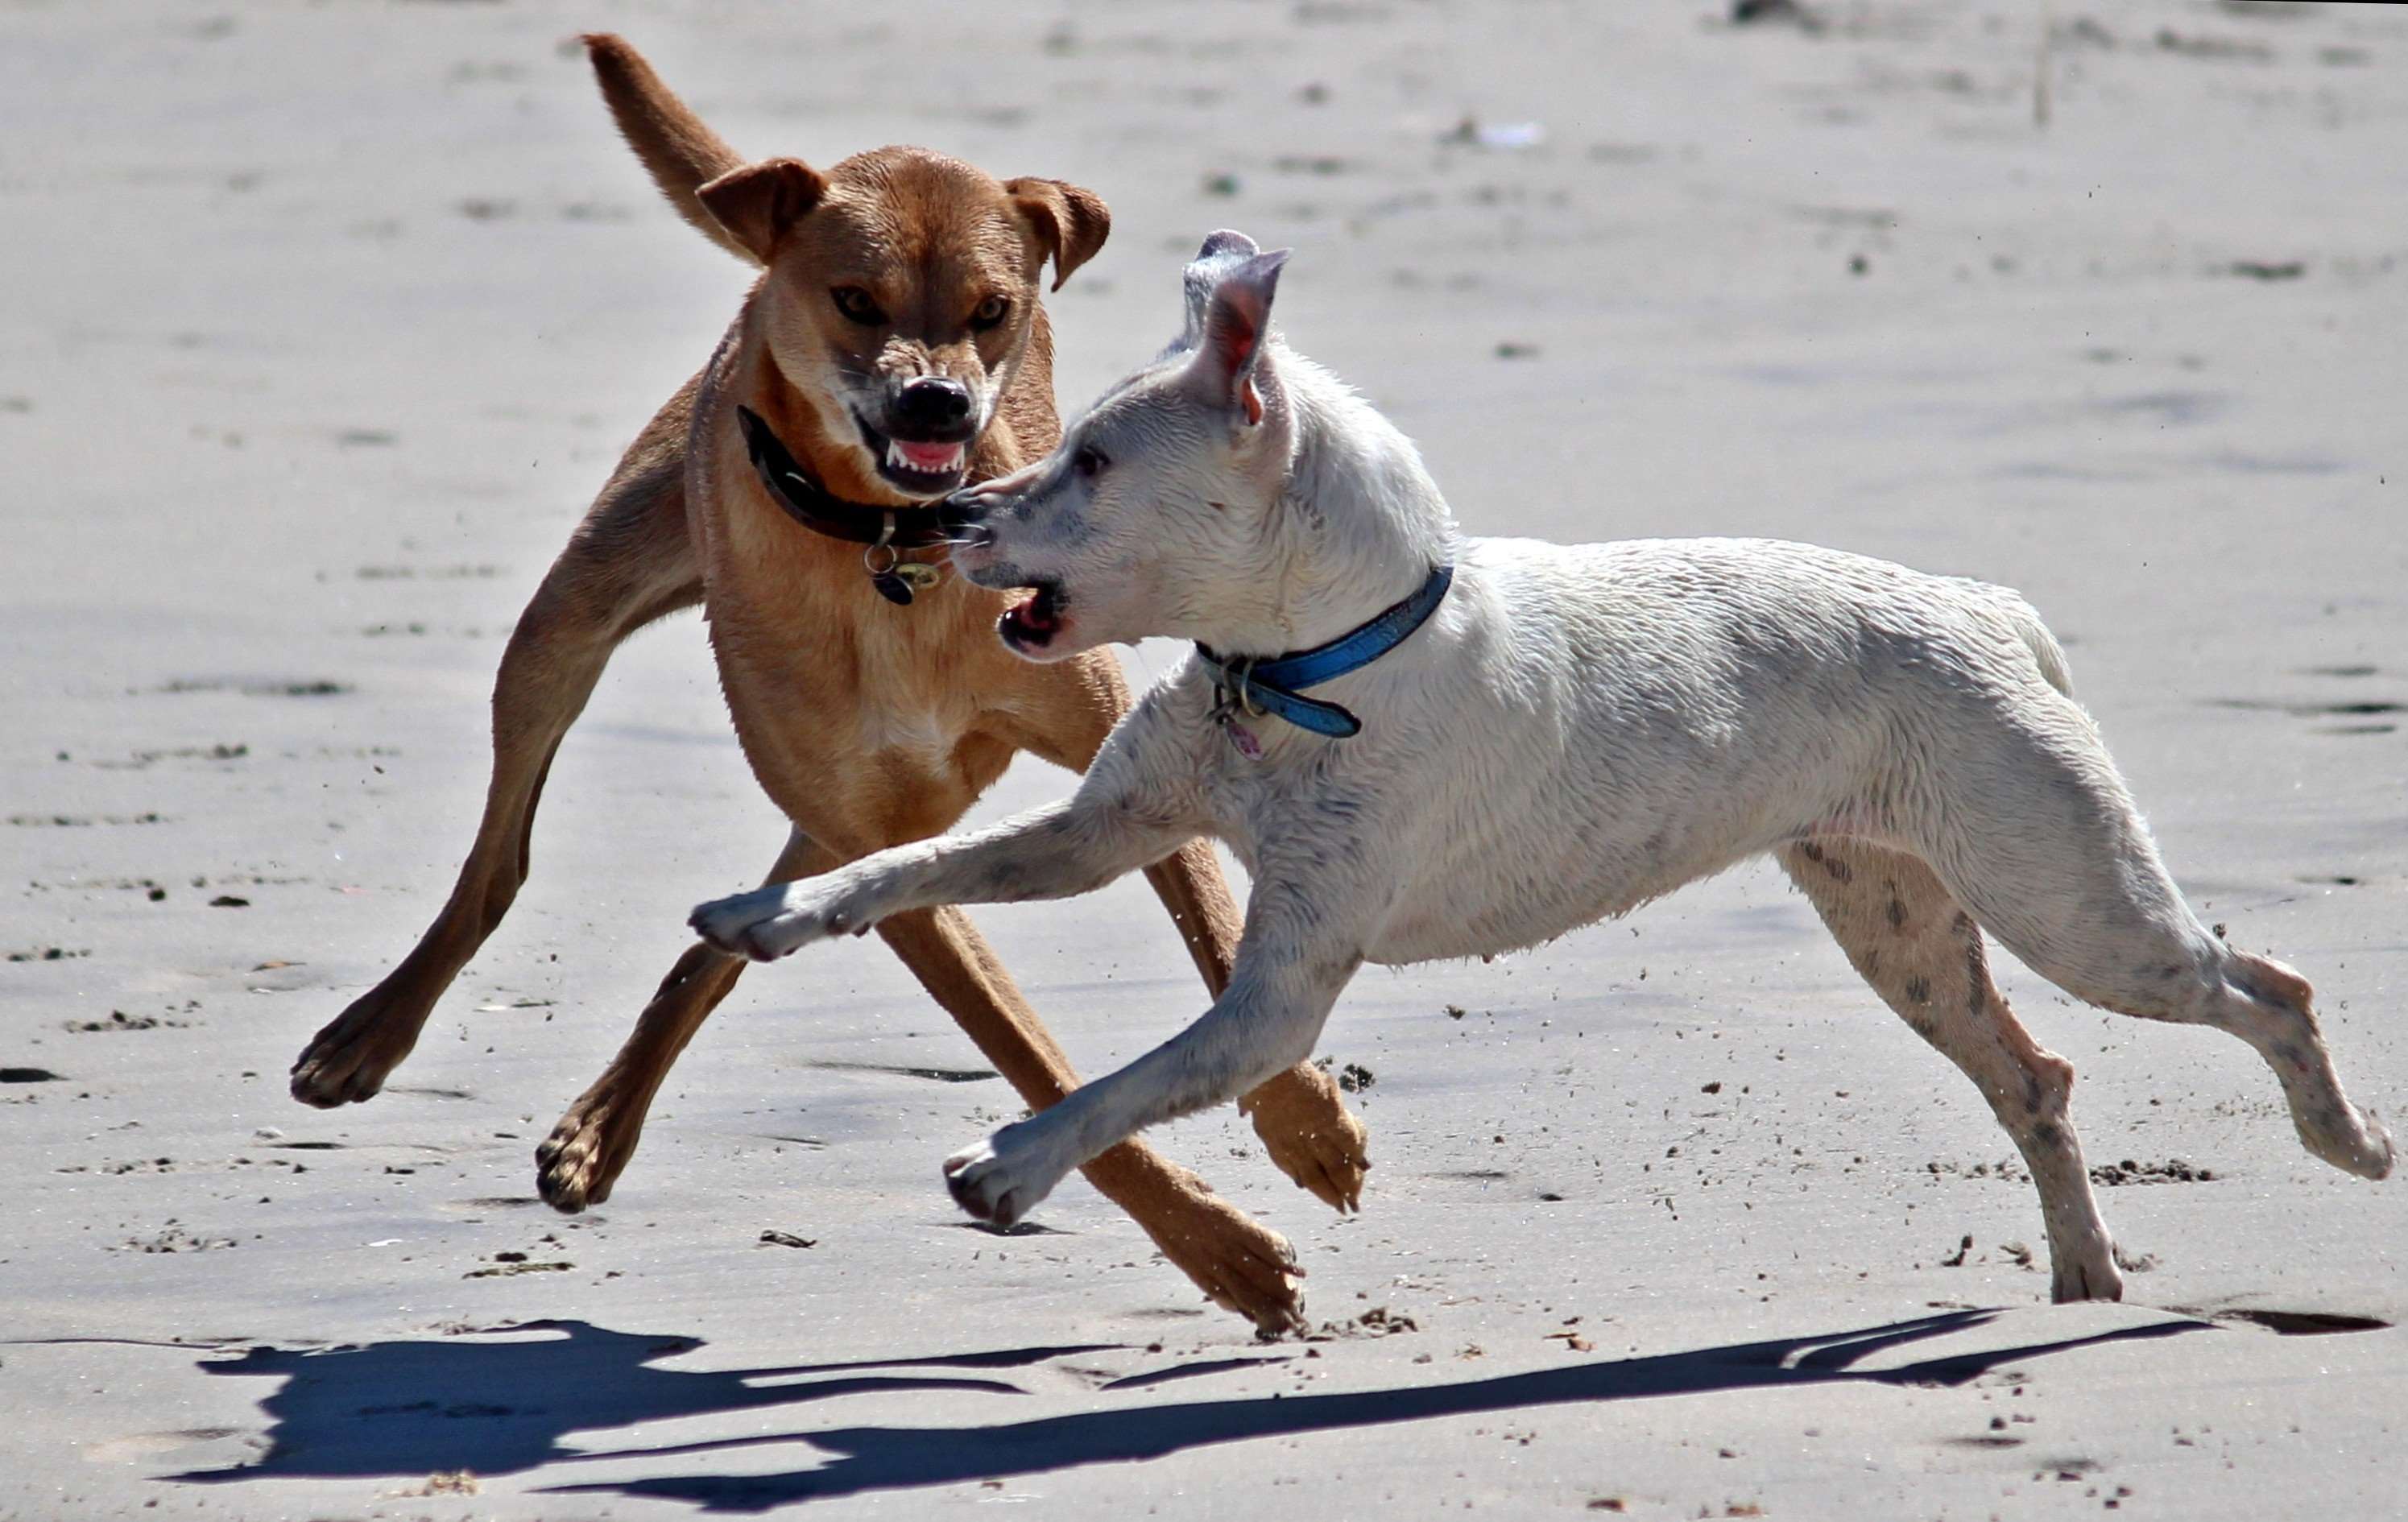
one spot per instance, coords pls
(968, 507)
(959, 514)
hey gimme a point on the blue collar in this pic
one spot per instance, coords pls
(1247, 685)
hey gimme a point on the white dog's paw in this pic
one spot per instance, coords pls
(775, 921)
(997, 1185)
(2353, 1141)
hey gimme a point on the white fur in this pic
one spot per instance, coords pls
(1575, 731)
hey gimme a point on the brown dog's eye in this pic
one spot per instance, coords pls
(989, 313)
(857, 305)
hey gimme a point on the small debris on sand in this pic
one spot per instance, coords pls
(2172, 1170)
(506, 1264)
(175, 1239)
(457, 1482)
(1379, 1321)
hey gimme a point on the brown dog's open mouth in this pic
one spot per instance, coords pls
(922, 467)
(1031, 623)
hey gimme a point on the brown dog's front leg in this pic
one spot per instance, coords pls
(629, 563)
(587, 1151)
(1303, 1123)
(1240, 1264)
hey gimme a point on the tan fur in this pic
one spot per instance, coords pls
(869, 724)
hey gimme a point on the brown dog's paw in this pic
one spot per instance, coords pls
(578, 1164)
(1312, 1137)
(1240, 1264)
(348, 1061)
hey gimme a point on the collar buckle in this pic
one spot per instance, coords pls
(1233, 691)
(1253, 685)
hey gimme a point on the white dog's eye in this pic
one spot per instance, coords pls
(1089, 462)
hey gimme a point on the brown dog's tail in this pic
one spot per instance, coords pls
(682, 154)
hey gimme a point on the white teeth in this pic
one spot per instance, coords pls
(900, 461)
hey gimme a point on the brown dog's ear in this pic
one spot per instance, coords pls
(757, 203)
(1071, 223)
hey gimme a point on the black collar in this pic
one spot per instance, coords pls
(812, 505)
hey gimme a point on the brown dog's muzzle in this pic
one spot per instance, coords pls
(921, 441)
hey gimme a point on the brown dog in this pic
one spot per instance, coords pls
(896, 347)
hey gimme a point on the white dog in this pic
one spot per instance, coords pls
(1571, 732)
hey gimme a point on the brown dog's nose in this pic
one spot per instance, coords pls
(933, 402)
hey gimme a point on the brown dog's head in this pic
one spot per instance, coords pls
(900, 293)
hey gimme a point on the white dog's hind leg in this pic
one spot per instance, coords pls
(2047, 850)
(2257, 998)
(2273, 1008)
(1923, 955)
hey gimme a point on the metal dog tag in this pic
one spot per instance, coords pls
(899, 583)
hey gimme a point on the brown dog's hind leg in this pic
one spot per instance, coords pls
(583, 1158)
(629, 563)
(1303, 1122)
(1238, 1264)
(1904, 932)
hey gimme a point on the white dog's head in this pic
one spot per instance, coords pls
(1158, 512)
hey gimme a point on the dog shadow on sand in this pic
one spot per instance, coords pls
(501, 1407)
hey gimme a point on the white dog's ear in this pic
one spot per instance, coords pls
(1221, 251)
(1237, 327)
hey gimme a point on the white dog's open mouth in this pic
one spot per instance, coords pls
(1032, 623)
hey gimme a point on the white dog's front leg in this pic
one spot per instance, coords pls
(781, 919)
(1071, 847)
(1266, 1022)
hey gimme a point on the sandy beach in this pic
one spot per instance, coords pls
(324, 323)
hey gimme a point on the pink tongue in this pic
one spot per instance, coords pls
(1025, 611)
(929, 456)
